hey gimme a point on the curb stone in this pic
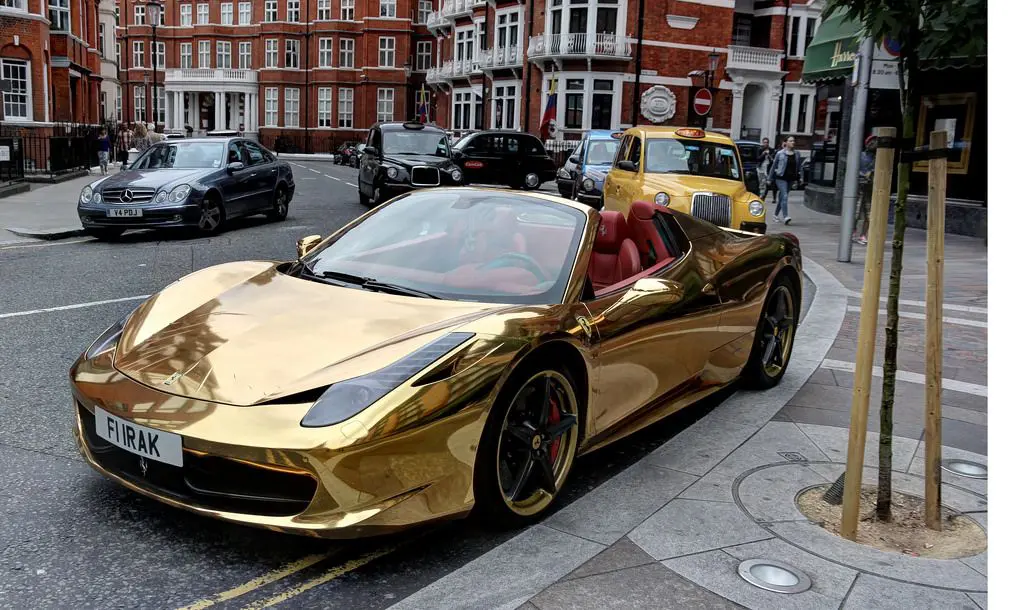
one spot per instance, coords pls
(49, 234)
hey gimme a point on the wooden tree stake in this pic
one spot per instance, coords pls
(878, 225)
(933, 333)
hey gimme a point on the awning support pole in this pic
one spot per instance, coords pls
(855, 143)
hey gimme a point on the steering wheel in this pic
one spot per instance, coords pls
(518, 259)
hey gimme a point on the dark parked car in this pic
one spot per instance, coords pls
(197, 183)
(504, 157)
(349, 154)
(749, 151)
(401, 157)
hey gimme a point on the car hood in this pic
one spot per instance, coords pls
(244, 333)
(686, 186)
(150, 178)
(408, 161)
(597, 173)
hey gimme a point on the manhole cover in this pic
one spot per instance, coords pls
(793, 456)
(774, 576)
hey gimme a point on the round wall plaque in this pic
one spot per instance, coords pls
(658, 104)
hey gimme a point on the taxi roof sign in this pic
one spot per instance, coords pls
(690, 132)
(617, 135)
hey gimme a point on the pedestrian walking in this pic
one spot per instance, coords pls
(139, 140)
(764, 162)
(103, 147)
(124, 142)
(865, 182)
(784, 173)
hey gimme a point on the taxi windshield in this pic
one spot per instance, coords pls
(601, 152)
(691, 157)
(414, 142)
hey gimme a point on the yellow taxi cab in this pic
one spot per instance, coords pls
(688, 169)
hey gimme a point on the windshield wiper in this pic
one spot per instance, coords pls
(307, 271)
(371, 284)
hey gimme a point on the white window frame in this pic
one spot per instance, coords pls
(326, 52)
(204, 54)
(270, 53)
(291, 12)
(424, 55)
(202, 13)
(22, 65)
(224, 50)
(801, 34)
(59, 12)
(323, 10)
(346, 52)
(793, 118)
(463, 117)
(291, 53)
(139, 15)
(346, 107)
(385, 104)
(508, 13)
(503, 93)
(292, 99)
(348, 10)
(324, 107)
(161, 105)
(118, 104)
(588, 97)
(185, 55)
(139, 105)
(138, 54)
(185, 15)
(388, 8)
(423, 10)
(591, 6)
(464, 44)
(270, 10)
(227, 13)
(244, 13)
(161, 55)
(270, 107)
(245, 55)
(386, 46)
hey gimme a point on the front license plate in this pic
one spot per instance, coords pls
(124, 213)
(141, 440)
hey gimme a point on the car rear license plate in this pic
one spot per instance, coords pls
(141, 440)
(124, 213)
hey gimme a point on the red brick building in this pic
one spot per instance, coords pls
(325, 69)
(495, 62)
(49, 62)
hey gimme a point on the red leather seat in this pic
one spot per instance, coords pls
(643, 231)
(615, 256)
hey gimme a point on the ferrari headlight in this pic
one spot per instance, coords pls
(588, 184)
(661, 199)
(392, 172)
(86, 195)
(457, 175)
(107, 340)
(756, 208)
(345, 399)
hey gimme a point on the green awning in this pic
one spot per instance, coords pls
(833, 51)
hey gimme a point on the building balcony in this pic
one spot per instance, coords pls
(463, 67)
(208, 76)
(507, 57)
(581, 45)
(453, 9)
(436, 21)
(754, 58)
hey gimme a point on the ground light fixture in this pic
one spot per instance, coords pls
(774, 576)
(966, 468)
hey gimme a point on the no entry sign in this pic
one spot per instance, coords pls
(702, 102)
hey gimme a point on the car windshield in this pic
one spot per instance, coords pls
(415, 142)
(462, 245)
(181, 155)
(693, 157)
(601, 152)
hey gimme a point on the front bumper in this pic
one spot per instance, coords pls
(257, 466)
(153, 216)
(754, 227)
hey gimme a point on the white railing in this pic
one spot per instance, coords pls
(580, 45)
(503, 57)
(211, 74)
(435, 21)
(457, 8)
(754, 58)
(463, 67)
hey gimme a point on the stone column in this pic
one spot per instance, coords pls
(736, 120)
(773, 114)
(218, 110)
(179, 110)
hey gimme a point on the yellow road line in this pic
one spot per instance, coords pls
(329, 575)
(259, 581)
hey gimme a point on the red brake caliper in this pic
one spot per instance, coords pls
(554, 419)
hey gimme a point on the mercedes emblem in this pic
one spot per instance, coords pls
(127, 196)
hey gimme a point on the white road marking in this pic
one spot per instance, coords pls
(352, 185)
(31, 312)
(913, 315)
(333, 177)
(46, 244)
(315, 171)
(949, 306)
(300, 165)
(948, 384)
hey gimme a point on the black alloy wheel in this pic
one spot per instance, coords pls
(773, 340)
(280, 210)
(211, 215)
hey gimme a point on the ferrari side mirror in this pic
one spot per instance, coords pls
(647, 294)
(304, 245)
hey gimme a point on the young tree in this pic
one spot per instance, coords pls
(928, 30)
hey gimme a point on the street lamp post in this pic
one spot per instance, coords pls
(409, 110)
(153, 14)
(709, 80)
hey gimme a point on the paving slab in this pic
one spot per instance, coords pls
(979, 598)
(708, 442)
(769, 494)
(624, 553)
(621, 503)
(833, 442)
(873, 593)
(685, 527)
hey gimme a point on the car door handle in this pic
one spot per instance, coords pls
(252, 174)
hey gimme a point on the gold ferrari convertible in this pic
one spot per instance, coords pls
(453, 349)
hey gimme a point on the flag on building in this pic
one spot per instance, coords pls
(549, 121)
(422, 110)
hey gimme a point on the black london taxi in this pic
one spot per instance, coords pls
(510, 158)
(401, 157)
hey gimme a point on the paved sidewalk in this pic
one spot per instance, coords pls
(48, 211)
(671, 530)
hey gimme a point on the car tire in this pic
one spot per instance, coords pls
(531, 181)
(211, 215)
(776, 331)
(105, 234)
(280, 210)
(498, 473)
